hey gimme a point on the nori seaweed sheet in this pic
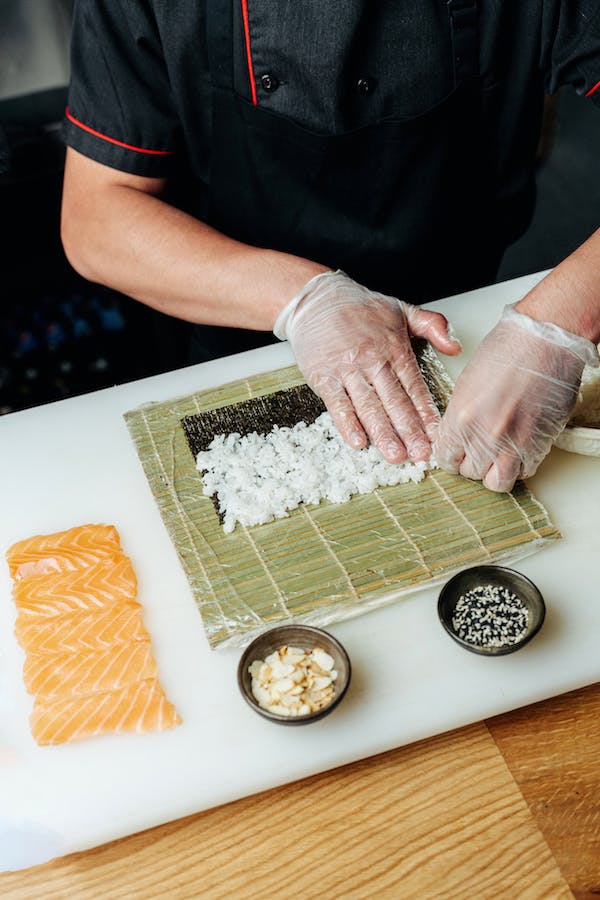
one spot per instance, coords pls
(284, 408)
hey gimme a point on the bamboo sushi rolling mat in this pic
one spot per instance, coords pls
(326, 562)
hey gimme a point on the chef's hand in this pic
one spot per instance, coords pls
(353, 347)
(512, 400)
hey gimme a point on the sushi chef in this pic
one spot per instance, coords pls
(317, 170)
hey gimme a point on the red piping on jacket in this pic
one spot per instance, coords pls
(591, 90)
(111, 140)
(249, 51)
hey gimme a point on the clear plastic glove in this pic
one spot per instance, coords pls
(353, 347)
(512, 400)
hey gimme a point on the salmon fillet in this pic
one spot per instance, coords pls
(88, 671)
(80, 631)
(89, 660)
(62, 551)
(93, 588)
(139, 707)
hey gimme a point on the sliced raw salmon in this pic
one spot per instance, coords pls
(62, 551)
(93, 588)
(88, 671)
(79, 631)
(89, 660)
(138, 707)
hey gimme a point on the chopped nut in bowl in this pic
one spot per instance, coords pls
(294, 674)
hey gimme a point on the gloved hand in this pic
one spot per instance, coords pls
(353, 347)
(512, 400)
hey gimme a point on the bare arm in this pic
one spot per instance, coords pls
(352, 345)
(570, 295)
(117, 231)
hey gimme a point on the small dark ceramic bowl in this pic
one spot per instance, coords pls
(307, 638)
(497, 576)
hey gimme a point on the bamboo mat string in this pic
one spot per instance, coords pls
(467, 521)
(168, 483)
(330, 551)
(405, 533)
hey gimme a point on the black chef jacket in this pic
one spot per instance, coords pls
(395, 140)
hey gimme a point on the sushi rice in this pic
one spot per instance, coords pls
(260, 477)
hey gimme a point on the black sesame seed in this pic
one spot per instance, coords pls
(490, 616)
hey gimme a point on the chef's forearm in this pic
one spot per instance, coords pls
(132, 241)
(569, 296)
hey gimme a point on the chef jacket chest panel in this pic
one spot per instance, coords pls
(337, 66)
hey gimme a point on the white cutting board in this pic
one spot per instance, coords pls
(73, 462)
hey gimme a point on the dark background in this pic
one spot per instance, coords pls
(61, 336)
